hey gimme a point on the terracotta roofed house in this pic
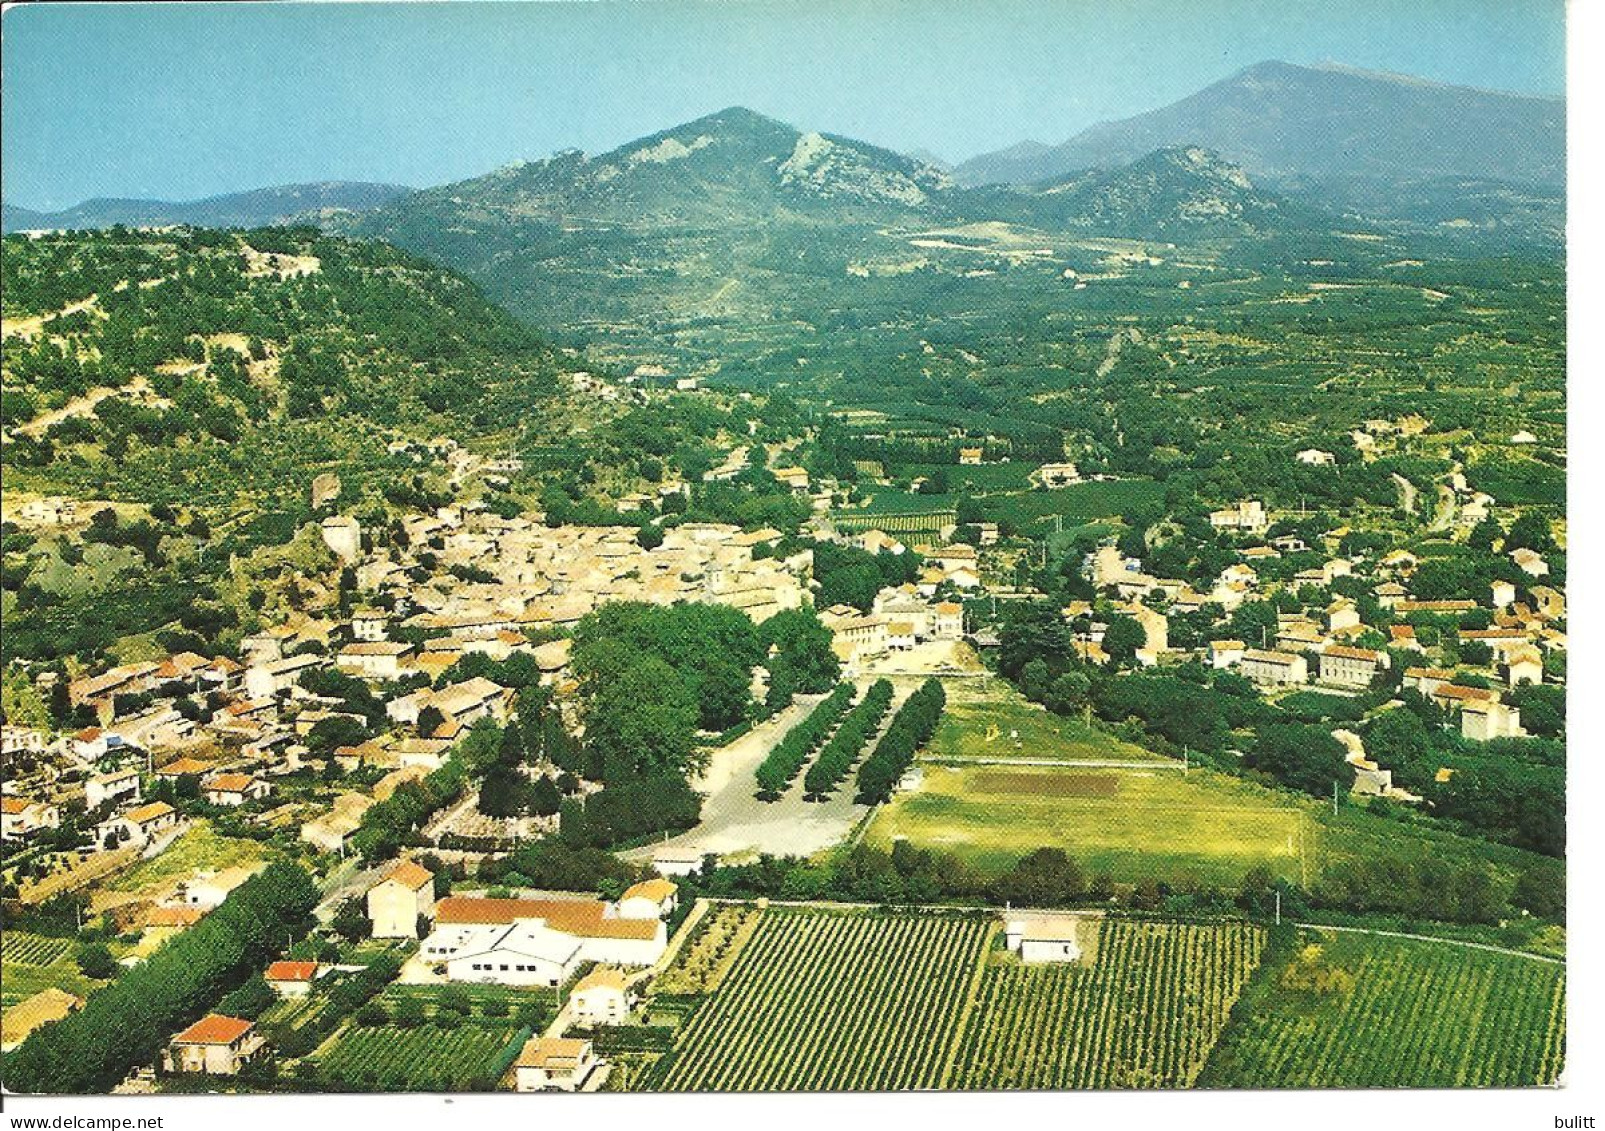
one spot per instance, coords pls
(397, 902)
(217, 1045)
(290, 979)
(554, 1064)
(235, 789)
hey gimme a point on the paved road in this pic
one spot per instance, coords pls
(736, 823)
(346, 880)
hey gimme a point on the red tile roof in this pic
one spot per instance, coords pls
(291, 971)
(583, 917)
(215, 1029)
(410, 875)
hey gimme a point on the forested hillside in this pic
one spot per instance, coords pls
(190, 384)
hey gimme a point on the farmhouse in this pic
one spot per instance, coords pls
(217, 1045)
(462, 703)
(369, 625)
(1342, 613)
(969, 457)
(1523, 665)
(397, 902)
(118, 785)
(330, 832)
(235, 789)
(1058, 474)
(21, 818)
(1049, 938)
(263, 681)
(1248, 514)
(1484, 720)
(1427, 680)
(209, 889)
(879, 542)
(1390, 593)
(601, 998)
(21, 740)
(1530, 562)
(559, 1064)
(1226, 653)
(290, 979)
(139, 825)
(794, 477)
(1315, 457)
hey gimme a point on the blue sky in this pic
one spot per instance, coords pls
(188, 100)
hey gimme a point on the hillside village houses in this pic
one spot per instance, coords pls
(236, 725)
(20, 817)
(138, 826)
(1269, 667)
(291, 978)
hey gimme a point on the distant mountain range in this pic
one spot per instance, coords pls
(733, 162)
(284, 204)
(1273, 148)
(1310, 124)
(1371, 143)
(738, 216)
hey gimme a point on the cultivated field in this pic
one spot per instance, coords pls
(30, 963)
(834, 1000)
(423, 1059)
(1395, 1013)
(1143, 1015)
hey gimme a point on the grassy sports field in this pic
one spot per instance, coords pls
(1132, 824)
(986, 718)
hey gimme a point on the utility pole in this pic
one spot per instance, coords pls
(1278, 907)
(1334, 798)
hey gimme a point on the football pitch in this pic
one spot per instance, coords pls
(1132, 824)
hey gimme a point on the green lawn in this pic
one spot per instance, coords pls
(1206, 825)
(987, 718)
(199, 849)
(1133, 824)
